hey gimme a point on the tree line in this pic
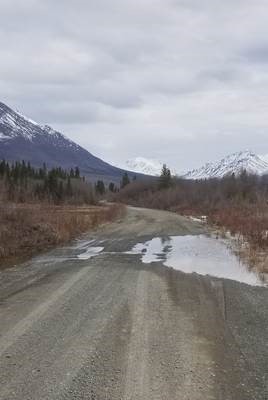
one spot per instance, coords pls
(168, 192)
(22, 182)
(101, 189)
(237, 202)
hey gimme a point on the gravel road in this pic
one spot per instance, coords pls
(112, 327)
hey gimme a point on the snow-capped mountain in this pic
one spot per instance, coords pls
(23, 139)
(145, 166)
(264, 157)
(234, 163)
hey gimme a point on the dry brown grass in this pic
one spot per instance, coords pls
(249, 225)
(27, 229)
(251, 222)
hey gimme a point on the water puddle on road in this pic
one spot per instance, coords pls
(90, 252)
(201, 254)
(191, 253)
(79, 251)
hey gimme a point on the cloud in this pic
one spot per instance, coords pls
(257, 54)
(177, 80)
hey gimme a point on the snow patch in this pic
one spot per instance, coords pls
(31, 121)
(201, 219)
(264, 157)
(4, 137)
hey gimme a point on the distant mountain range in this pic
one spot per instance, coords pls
(23, 139)
(234, 163)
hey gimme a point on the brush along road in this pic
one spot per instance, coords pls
(110, 327)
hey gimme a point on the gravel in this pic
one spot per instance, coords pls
(113, 328)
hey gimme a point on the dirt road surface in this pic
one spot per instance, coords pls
(111, 327)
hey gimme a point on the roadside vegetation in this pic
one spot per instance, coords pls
(40, 208)
(238, 204)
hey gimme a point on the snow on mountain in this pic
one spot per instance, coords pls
(24, 139)
(264, 157)
(15, 125)
(234, 163)
(145, 166)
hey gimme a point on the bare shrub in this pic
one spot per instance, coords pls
(27, 229)
(240, 204)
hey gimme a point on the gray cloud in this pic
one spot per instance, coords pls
(257, 54)
(182, 81)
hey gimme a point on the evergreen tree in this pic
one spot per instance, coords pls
(69, 190)
(165, 179)
(2, 168)
(112, 187)
(72, 173)
(60, 191)
(100, 188)
(52, 183)
(125, 180)
(77, 173)
(21, 181)
(45, 168)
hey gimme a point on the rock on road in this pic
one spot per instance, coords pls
(113, 328)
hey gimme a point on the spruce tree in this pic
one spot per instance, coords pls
(77, 173)
(111, 187)
(125, 180)
(99, 187)
(72, 173)
(165, 179)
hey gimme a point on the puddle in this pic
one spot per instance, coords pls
(80, 250)
(201, 254)
(89, 253)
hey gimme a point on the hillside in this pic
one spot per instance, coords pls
(23, 139)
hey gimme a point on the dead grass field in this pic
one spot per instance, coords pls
(26, 229)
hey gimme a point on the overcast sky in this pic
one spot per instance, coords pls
(182, 81)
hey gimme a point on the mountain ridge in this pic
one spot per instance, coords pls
(233, 163)
(24, 139)
(21, 138)
(143, 165)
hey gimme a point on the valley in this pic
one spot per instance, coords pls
(22, 138)
(133, 200)
(103, 300)
(110, 326)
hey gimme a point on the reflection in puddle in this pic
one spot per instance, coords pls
(201, 254)
(89, 253)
